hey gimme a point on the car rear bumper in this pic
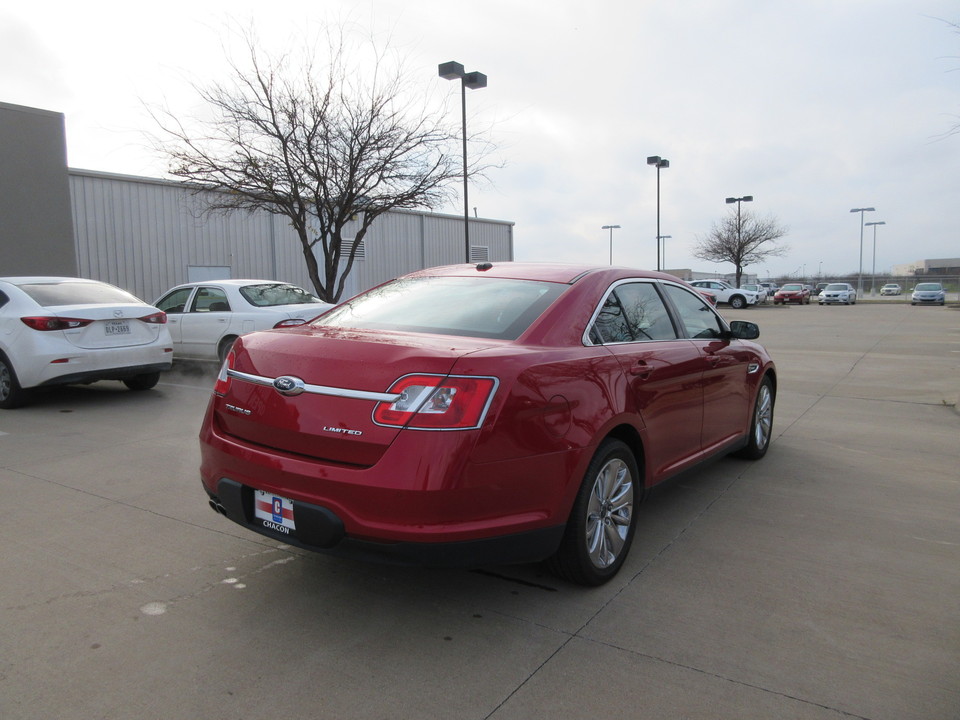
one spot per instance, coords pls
(119, 373)
(424, 500)
(321, 530)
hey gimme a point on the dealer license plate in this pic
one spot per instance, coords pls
(117, 327)
(274, 511)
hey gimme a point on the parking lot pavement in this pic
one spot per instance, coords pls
(820, 582)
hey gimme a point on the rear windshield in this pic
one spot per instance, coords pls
(472, 307)
(274, 294)
(78, 293)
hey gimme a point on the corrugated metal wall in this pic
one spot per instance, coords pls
(143, 235)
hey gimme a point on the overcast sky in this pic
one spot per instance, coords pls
(813, 107)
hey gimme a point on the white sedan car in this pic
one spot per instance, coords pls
(60, 330)
(836, 293)
(206, 317)
(735, 297)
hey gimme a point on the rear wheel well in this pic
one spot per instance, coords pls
(628, 435)
(224, 347)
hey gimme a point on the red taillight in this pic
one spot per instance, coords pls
(54, 323)
(435, 402)
(159, 318)
(223, 379)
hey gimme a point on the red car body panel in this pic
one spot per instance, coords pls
(556, 398)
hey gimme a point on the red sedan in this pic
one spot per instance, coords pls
(792, 293)
(473, 415)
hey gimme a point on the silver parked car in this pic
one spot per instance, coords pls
(206, 317)
(928, 293)
(837, 293)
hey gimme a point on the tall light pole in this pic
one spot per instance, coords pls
(873, 275)
(611, 228)
(659, 162)
(664, 238)
(473, 80)
(860, 269)
(738, 200)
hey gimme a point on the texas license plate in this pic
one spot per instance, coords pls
(274, 511)
(117, 327)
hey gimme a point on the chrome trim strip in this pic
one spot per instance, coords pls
(319, 389)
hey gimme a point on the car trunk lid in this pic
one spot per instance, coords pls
(345, 372)
(111, 326)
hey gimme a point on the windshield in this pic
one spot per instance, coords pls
(276, 294)
(78, 293)
(465, 306)
(836, 286)
(928, 286)
(794, 287)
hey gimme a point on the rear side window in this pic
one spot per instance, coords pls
(77, 293)
(632, 312)
(276, 294)
(472, 307)
(210, 299)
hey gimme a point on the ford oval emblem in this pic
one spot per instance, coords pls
(289, 385)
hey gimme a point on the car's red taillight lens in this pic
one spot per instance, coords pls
(159, 318)
(54, 323)
(223, 379)
(436, 402)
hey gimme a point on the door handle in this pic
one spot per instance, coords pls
(641, 370)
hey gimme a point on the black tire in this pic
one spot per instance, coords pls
(142, 382)
(737, 302)
(603, 520)
(11, 394)
(224, 347)
(761, 423)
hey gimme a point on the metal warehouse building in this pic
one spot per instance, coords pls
(146, 235)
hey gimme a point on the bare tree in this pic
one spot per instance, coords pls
(743, 239)
(324, 148)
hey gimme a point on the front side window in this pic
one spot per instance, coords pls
(632, 312)
(175, 302)
(698, 319)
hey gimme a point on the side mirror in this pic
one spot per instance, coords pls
(743, 330)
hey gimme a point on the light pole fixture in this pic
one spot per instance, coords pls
(860, 269)
(738, 200)
(662, 239)
(473, 80)
(611, 228)
(873, 275)
(659, 162)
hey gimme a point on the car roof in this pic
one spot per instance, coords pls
(234, 282)
(32, 279)
(547, 272)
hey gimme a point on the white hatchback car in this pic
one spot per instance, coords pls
(60, 330)
(836, 293)
(206, 317)
(736, 297)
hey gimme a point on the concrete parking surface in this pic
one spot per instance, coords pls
(821, 582)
